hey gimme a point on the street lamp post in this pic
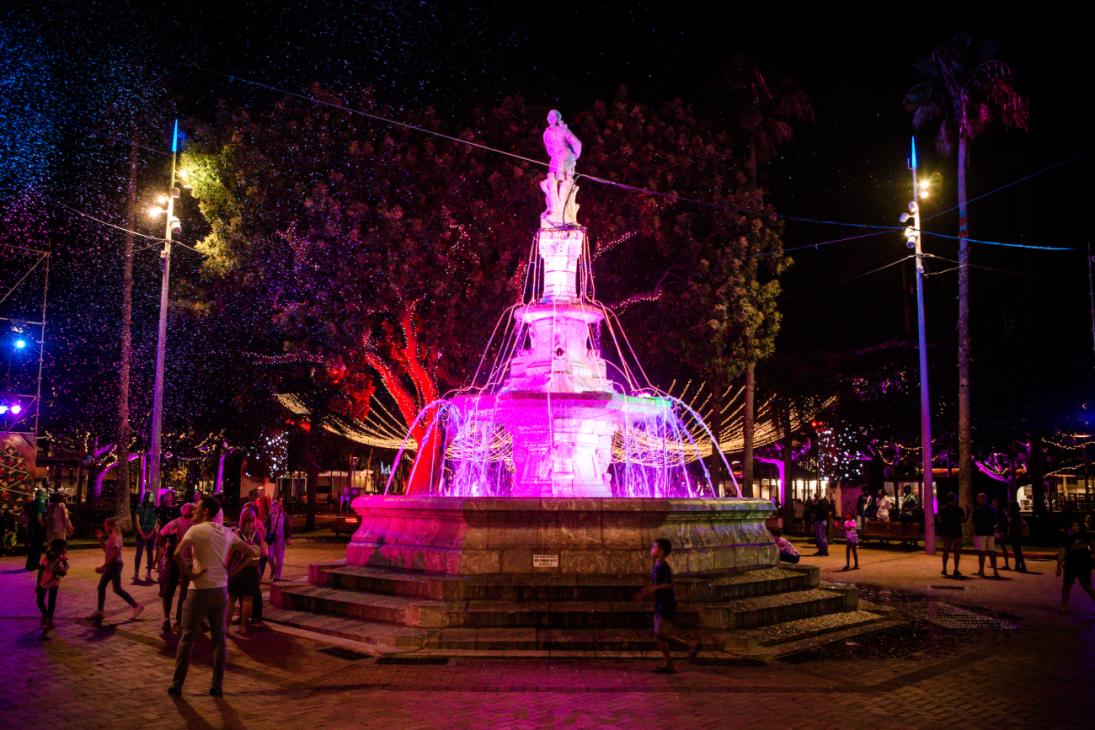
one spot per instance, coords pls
(171, 225)
(913, 239)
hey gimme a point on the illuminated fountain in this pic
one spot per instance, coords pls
(526, 518)
(552, 434)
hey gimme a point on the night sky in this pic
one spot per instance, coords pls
(1031, 326)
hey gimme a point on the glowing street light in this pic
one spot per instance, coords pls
(913, 239)
(171, 227)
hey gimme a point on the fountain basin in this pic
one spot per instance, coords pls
(586, 536)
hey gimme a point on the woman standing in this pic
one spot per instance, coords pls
(243, 574)
(58, 524)
(111, 569)
(278, 533)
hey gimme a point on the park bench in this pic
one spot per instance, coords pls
(886, 531)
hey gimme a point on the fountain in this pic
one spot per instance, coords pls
(549, 476)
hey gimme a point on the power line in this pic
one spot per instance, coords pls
(1000, 243)
(1016, 181)
(851, 278)
(103, 222)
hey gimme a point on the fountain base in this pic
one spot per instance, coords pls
(480, 536)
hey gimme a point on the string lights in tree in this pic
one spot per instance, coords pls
(839, 457)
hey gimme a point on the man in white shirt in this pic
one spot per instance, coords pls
(211, 545)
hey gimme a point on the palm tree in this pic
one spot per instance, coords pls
(966, 89)
(765, 113)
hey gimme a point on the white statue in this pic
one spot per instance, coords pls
(563, 149)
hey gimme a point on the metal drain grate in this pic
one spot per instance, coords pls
(413, 660)
(952, 617)
(340, 653)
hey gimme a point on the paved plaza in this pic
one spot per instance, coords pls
(977, 653)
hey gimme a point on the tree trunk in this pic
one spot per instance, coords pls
(965, 438)
(311, 486)
(1037, 478)
(786, 497)
(716, 467)
(747, 430)
(122, 509)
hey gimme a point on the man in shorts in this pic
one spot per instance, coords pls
(1074, 555)
(984, 530)
(951, 519)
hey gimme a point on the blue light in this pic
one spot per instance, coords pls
(20, 344)
(3, 409)
(175, 138)
(912, 157)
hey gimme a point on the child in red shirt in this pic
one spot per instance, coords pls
(52, 568)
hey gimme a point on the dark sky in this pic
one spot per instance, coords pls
(1031, 321)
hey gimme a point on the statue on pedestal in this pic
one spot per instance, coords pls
(563, 149)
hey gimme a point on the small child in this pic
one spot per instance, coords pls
(665, 605)
(111, 570)
(851, 541)
(51, 570)
(788, 553)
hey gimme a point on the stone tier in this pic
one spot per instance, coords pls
(609, 537)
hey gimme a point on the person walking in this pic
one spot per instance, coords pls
(243, 573)
(148, 524)
(52, 569)
(951, 518)
(111, 570)
(171, 578)
(984, 534)
(1017, 530)
(278, 535)
(822, 513)
(1074, 554)
(665, 605)
(212, 546)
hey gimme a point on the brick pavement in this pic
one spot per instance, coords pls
(83, 677)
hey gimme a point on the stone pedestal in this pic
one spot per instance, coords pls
(612, 537)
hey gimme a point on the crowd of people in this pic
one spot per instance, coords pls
(999, 534)
(205, 570)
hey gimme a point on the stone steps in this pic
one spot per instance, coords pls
(776, 608)
(748, 584)
(402, 610)
(533, 588)
(791, 632)
(384, 638)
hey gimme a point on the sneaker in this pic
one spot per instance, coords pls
(137, 611)
(166, 627)
(216, 692)
(174, 691)
(176, 629)
(944, 573)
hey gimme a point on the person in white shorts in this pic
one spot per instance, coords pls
(984, 541)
